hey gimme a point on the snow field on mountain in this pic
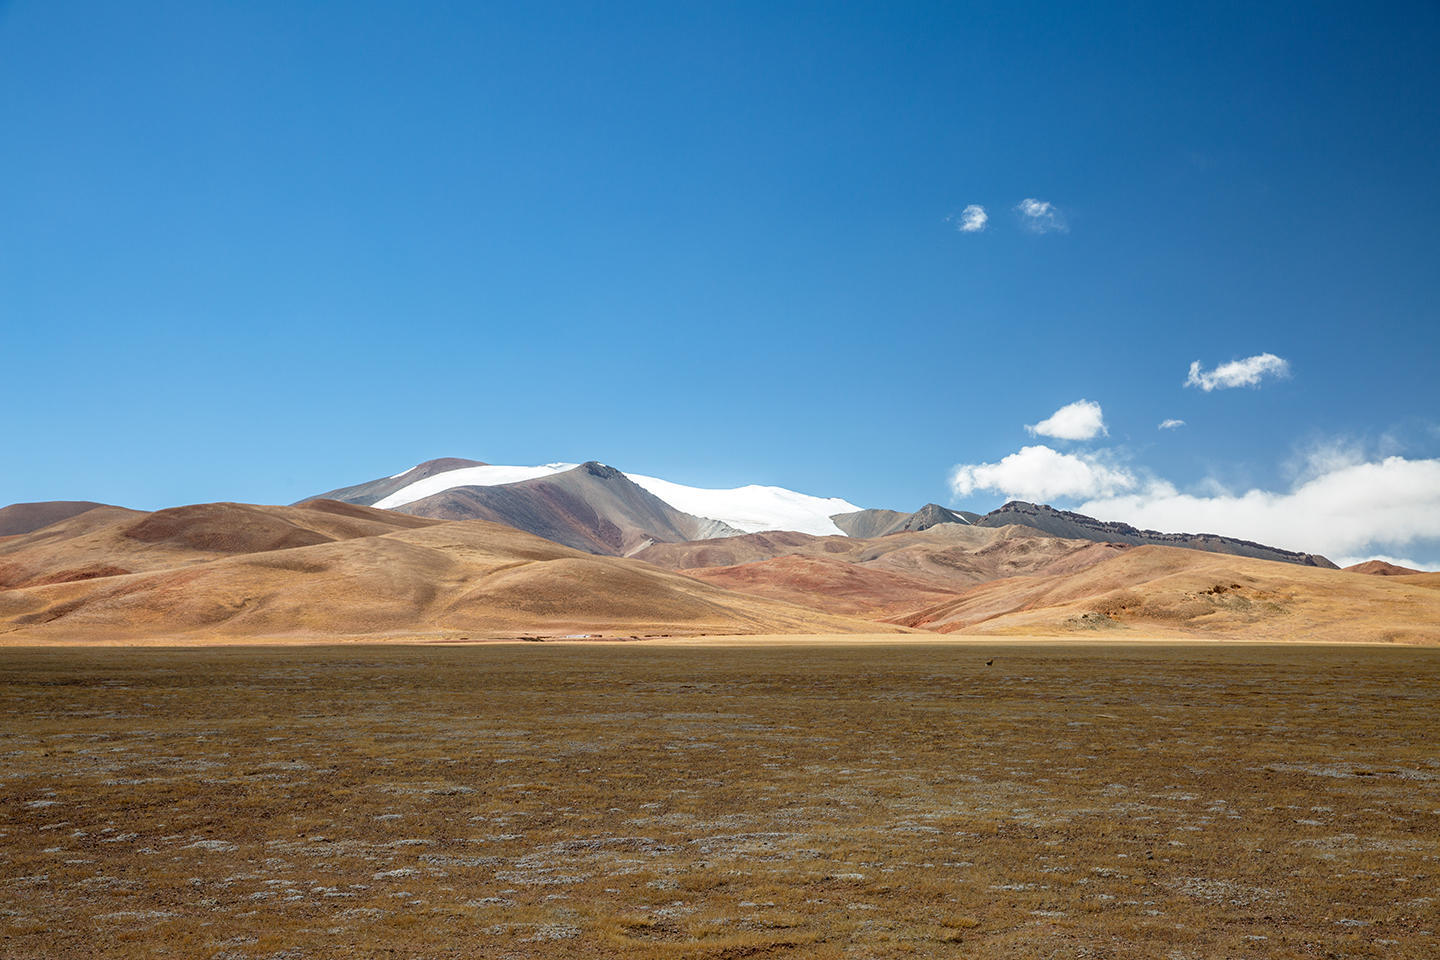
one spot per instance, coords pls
(750, 508)
(486, 476)
(753, 508)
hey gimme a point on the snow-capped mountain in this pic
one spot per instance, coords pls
(750, 509)
(599, 509)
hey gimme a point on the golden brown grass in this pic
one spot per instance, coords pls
(807, 800)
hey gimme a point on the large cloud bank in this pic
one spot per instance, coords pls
(1346, 511)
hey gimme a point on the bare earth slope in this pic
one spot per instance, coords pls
(1380, 568)
(1163, 591)
(880, 577)
(835, 586)
(112, 541)
(948, 555)
(21, 518)
(434, 579)
(593, 507)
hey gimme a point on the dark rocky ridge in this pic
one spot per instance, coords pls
(880, 523)
(1077, 526)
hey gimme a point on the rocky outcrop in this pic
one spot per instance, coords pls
(880, 523)
(1077, 526)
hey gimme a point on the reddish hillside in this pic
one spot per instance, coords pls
(1381, 568)
(834, 586)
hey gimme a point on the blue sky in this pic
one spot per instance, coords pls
(254, 251)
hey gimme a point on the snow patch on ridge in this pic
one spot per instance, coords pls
(485, 476)
(753, 508)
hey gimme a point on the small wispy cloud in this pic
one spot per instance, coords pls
(1040, 216)
(970, 220)
(1237, 373)
(1171, 424)
(1081, 420)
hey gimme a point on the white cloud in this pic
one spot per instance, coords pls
(1348, 510)
(971, 220)
(1237, 373)
(1041, 474)
(1081, 420)
(1040, 216)
(1171, 424)
(1325, 456)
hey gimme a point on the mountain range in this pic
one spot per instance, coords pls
(454, 547)
(599, 509)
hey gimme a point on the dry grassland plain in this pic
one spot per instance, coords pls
(728, 800)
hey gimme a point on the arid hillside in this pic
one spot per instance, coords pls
(109, 541)
(326, 569)
(1381, 568)
(877, 577)
(1171, 592)
(19, 518)
(949, 555)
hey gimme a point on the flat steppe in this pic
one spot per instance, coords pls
(725, 799)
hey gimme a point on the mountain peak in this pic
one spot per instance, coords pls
(597, 469)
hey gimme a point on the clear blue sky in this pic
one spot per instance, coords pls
(256, 250)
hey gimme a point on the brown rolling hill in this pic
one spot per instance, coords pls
(1152, 591)
(834, 586)
(1381, 568)
(730, 551)
(879, 577)
(329, 570)
(948, 556)
(112, 541)
(19, 518)
(325, 569)
(592, 507)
